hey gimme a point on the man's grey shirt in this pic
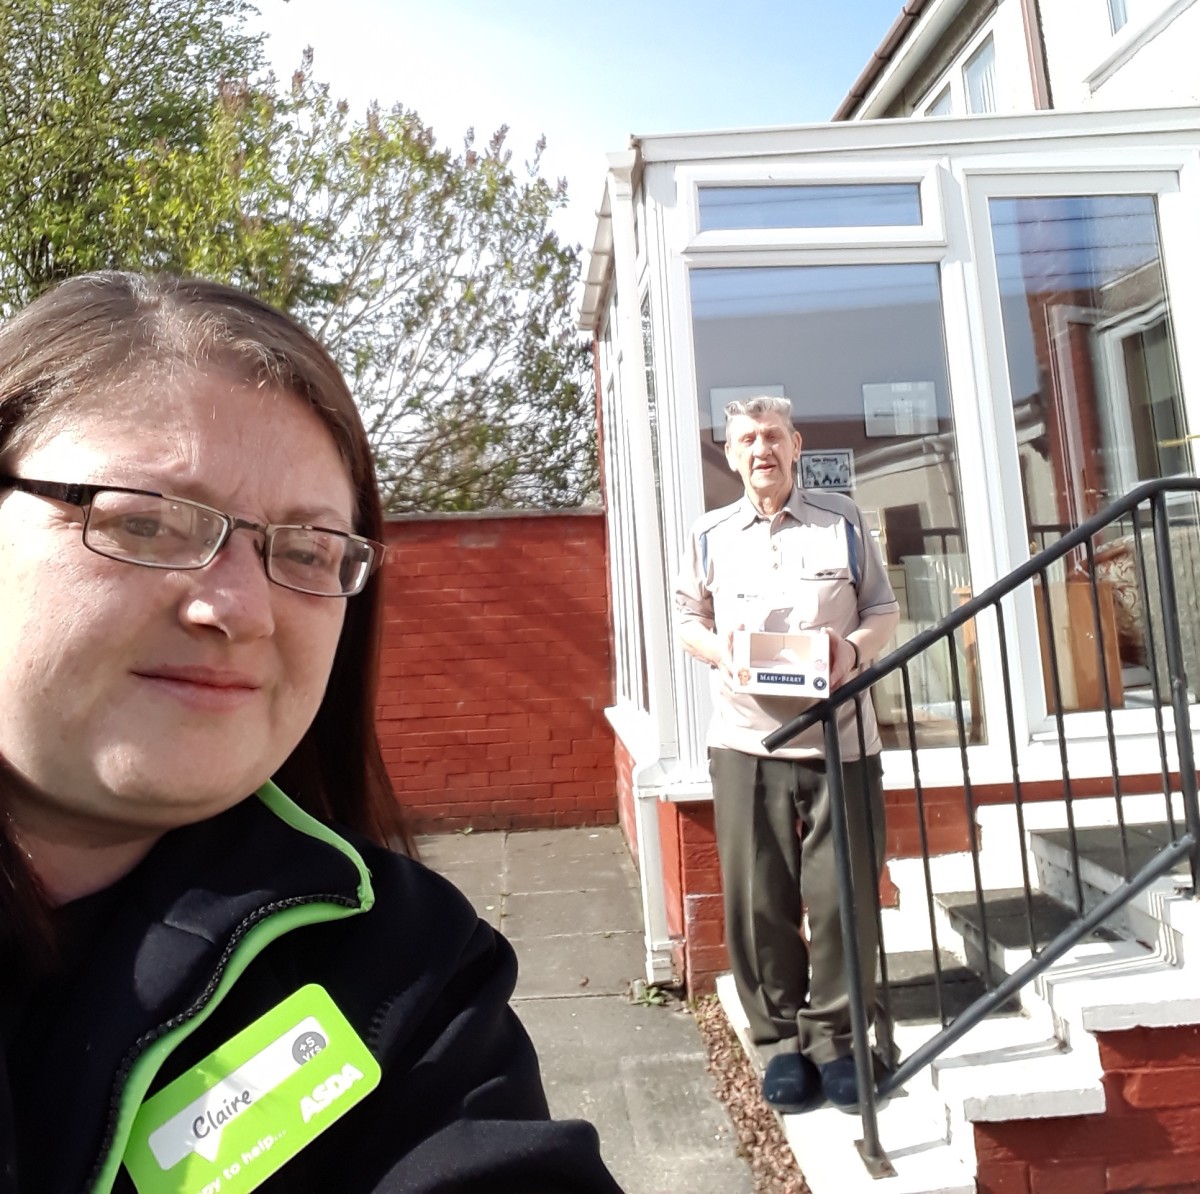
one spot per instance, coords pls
(810, 566)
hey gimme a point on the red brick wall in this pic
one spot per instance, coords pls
(672, 868)
(1147, 1140)
(625, 800)
(672, 865)
(703, 912)
(693, 892)
(496, 671)
(946, 812)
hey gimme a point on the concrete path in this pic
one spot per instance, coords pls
(568, 900)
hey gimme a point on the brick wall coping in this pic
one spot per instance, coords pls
(480, 515)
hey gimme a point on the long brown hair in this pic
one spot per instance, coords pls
(97, 330)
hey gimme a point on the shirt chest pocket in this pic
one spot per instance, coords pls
(820, 554)
(820, 576)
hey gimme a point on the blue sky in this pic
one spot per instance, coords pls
(585, 75)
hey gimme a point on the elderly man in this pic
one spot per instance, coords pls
(787, 559)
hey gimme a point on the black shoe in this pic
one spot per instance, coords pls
(791, 1084)
(839, 1083)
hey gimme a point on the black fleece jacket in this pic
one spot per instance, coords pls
(423, 981)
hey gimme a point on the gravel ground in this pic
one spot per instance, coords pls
(760, 1136)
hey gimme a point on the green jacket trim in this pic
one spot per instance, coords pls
(256, 939)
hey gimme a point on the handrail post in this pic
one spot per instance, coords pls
(869, 1147)
(1177, 675)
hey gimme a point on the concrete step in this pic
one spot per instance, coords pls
(1004, 1068)
(1015, 927)
(1113, 979)
(1039, 1059)
(1007, 1067)
(1103, 865)
(912, 1130)
(914, 981)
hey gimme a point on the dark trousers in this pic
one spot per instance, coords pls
(794, 994)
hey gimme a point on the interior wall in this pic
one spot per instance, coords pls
(821, 359)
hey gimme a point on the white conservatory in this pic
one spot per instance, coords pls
(981, 326)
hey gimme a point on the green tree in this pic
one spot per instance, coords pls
(90, 92)
(434, 278)
(145, 134)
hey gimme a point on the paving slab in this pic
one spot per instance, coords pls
(568, 901)
(576, 964)
(566, 843)
(462, 850)
(473, 879)
(544, 871)
(661, 1128)
(554, 913)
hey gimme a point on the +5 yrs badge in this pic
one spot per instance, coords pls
(225, 1126)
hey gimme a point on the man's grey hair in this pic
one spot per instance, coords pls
(755, 408)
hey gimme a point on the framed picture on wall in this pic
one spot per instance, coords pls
(832, 468)
(720, 396)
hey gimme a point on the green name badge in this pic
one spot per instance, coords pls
(253, 1104)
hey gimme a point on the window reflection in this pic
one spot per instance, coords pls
(979, 79)
(859, 350)
(1098, 408)
(857, 205)
(942, 106)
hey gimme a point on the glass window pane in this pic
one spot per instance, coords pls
(1098, 407)
(942, 106)
(979, 76)
(859, 351)
(656, 435)
(1132, 12)
(858, 205)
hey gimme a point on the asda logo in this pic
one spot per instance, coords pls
(328, 1092)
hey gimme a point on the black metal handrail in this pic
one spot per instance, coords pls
(1035, 566)
(1078, 544)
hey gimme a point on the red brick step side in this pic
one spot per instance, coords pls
(1147, 1141)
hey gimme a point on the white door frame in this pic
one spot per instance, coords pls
(1164, 180)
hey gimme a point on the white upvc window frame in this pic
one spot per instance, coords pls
(987, 45)
(628, 661)
(645, 708)
(1116, 403)
(923, 173)
(953, 79)
(927, 243)
(941, 105)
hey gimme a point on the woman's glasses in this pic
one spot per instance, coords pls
(138, 526)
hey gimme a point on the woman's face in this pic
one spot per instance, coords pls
(137, 699)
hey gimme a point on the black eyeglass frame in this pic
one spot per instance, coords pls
(84, 495)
